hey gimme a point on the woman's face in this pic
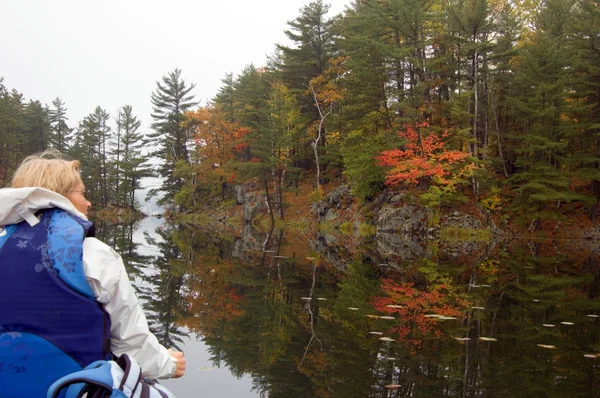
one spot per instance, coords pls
(77, 197)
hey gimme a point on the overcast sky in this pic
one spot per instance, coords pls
(111, 53)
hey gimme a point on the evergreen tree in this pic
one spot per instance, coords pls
(128, 156)
(85, 149)
(251, 92)
(170, 102)
(543, 108)
(37, 128)
(11, 128)
(61, 132)
(103, 132)
(91, 147)
(314, 39)
(314, 44)
(584, 139)
(226, 97)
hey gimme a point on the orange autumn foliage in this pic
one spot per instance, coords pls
(424, 157)
(414, 325)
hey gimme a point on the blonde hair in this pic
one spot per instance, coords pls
(48, 170)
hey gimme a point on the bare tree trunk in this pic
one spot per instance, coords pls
(281, 182)
(475, 116)
(493, 104)
(268, 199)
(317, 139)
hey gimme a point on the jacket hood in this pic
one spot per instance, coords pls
(18, 204)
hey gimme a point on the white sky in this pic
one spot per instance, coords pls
(111, 53)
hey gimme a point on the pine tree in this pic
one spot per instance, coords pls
(584, 139)
(61, 132)
(11, 129)
(37, 128)
(170, 101)
(128, 155)
(226, 97)
(91, 147)
(85, 149)
(314, 43)
(314, 39)
(251, 92)
(544, 111)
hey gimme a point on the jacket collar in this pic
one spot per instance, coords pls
(18, 204)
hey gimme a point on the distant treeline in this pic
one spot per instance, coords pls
(494, 101)
(111, 156)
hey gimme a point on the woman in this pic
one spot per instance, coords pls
(62, 291)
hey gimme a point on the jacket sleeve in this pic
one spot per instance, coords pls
(129, 331)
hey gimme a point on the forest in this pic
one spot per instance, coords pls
(486, 101)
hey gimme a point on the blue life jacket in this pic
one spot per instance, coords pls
(50, 322)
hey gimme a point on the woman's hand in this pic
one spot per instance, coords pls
(179, 360)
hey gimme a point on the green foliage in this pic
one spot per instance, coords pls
(359, 151)
(128, 156)
(61, 132)
(516, 83)
(171, 100)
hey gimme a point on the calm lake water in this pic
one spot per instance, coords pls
(323, 314)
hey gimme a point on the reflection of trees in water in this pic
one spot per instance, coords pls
(243, 296)
(268, 330)
(161, 288)
(158, 279)
(120, 238)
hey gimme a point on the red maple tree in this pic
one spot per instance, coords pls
(425, 157)
(414, 308)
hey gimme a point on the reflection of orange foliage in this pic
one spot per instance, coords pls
(211, 299)
(424, 157)
(316, 366)
(416, 304)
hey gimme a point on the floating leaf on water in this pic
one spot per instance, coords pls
(593, 316)
(550, 347)
(393, 386)
(567, 323)
(372, 316)
(548, 325)
(321, 298)
(353, 308)
(387, 317)
(462, 338)
(591, 356)
(478, 308)
(386, 339)
(393, 306)
(306, 298)
(376, 333)
(488, 339)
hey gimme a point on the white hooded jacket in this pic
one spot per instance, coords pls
(106, 274)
